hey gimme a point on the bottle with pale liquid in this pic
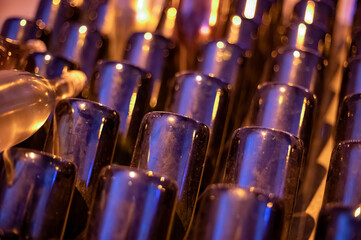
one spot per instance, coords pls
(28, 99)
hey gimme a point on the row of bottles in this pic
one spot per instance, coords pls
(341, 198)
(207, 153)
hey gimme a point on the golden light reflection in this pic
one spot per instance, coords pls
(241, 192)
(162, 179)
(172, 12)
(194, 135)
(82, 106)
(216, 105)
(83, 29)
(303, 112)
(358, 211)
(142, 12)
(288, 154)
(236, 20)
(148, 36)
(214, 12)
(23, 22)
(220, 44)
(81, 40)
(119, 66)
(148, 155)
(32, 155)
(301, 33)
(171, 119)
(140, 15)
(101, 128)
(204, 30)
(131, 106)
(52, 16)
(280, 99)
(150, 173)
(170, 22)
(263, 133)
(296, 54)
(131, 174)
(233, 33)
(155, 93)
(198, 78)
(269, 204)
(310, 12)
(10, 84)
(47, 57)
(250, 9)
(37, 126)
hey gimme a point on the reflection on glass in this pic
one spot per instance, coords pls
(84, 133)
(134, 16)
(19, 30)
(81, 45)
(242, 32)
(250, 9)
(48, 65)
(167, 27)
(198, 96)
(152, 52)
(36, 190)
(317, 13)
(351, 82)
(300, 68)
(174, 146)
(204, 99)
(51, 16)
(11, 55)
(227, 212)
(47, 13)
(304, 36)
(348, 127)
(142, 203)
(339, 222)
(284, 107)
(27, 101)
(310, 12)
(61, 73)
(268, 160)
(234, 29)
(126, 89)
(301, 34)
(73, 42)
(221, 60)
(199, 21)
(343, 176)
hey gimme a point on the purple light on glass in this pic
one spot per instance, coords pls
(36, 190)
(132, 204)
(269, 160)
(174, 146)
(227, 212)
(344, 175)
